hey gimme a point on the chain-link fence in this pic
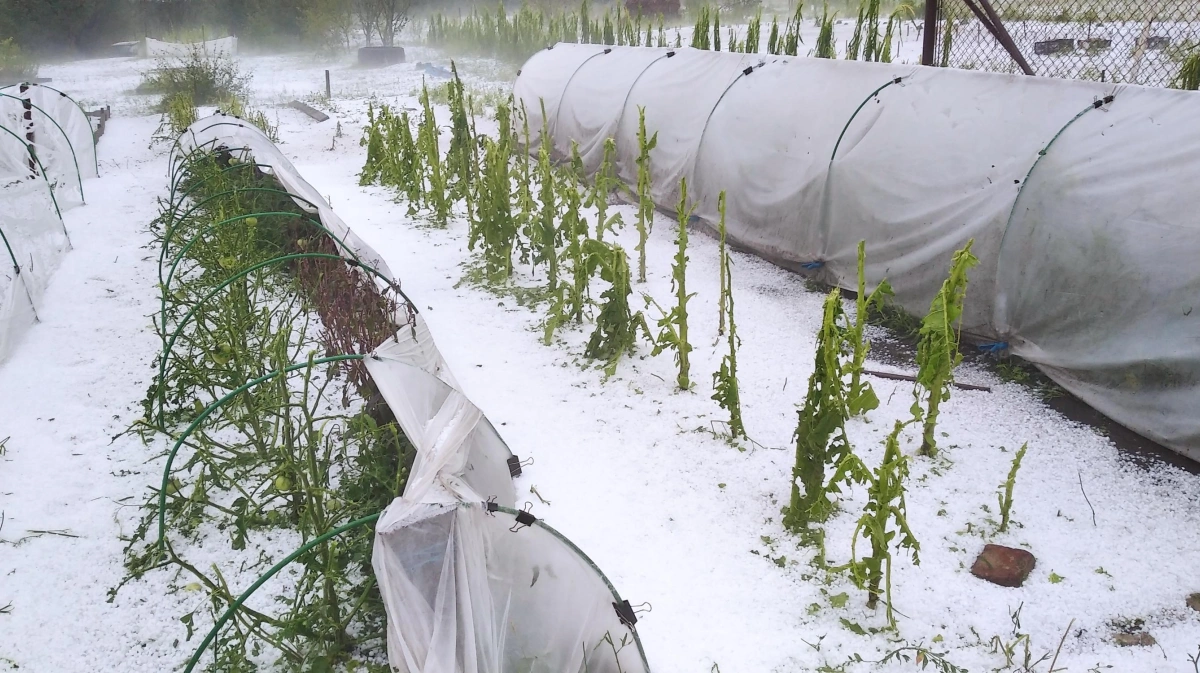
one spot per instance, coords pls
(1133, 41)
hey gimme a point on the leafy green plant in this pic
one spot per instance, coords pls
(673, 324)
(725, 381)
(821, 441)
(883, 521)
(15, 64)
(617, 326)
(178, 113)
(1189, 72)
(645, 221)
(937, 349)
(1005, 497)
(494, 226)
(861, 397)
(437, 195)
(208, 78)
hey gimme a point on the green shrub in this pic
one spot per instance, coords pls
(15, 64)
(209, 79)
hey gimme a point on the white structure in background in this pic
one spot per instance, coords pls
(470, 584)
(46, 151)
(152, 48)
(1080, 195)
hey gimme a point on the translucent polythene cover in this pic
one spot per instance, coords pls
(466, 589)
(64, 143)
(1081, 206)
(472, 591)
(31, 246)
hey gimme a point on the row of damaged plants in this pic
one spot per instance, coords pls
(526, 211)
(826, 464)
(273, 434)
(523, 209)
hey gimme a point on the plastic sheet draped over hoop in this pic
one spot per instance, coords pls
(467, 589)
(60, 150)
(31, 248)
(1086, 269)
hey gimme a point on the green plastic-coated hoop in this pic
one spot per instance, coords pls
(162, 493)
(858, 109)
(29, 148)
(83, 112)
(1021, 190)
(166, 284)
(237, 604)
(162, 366)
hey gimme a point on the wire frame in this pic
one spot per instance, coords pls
(1127, 41)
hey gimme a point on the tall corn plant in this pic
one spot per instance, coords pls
(437, 196)
(494, 228)
(716, 39)
(826, 48)
(937, 349)
(701, 32)
(543, 234)
(602, 187)
(773, 43)
(459, 158)
(725, 383)
(753, 34)
(791, 35)
(645, 219)
(673, 324)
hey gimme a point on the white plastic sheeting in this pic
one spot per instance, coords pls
(38, 180)
(152, 48)
(1087, 263)
(32, 243)
(62, 136)
(470, 584)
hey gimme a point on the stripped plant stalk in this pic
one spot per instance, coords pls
(1005, 497)
(861, 396)
(602, 188)
(673, 324)
(645, 201)
(884, 519)
(725, 382)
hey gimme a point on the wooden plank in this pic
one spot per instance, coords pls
(309, 110)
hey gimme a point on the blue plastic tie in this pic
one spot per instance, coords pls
(994, 346)
(812, 265)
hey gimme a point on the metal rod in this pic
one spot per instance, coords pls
(996, 27)
(328, 93)
(27, 105)
(908, 377)
(929, 45)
